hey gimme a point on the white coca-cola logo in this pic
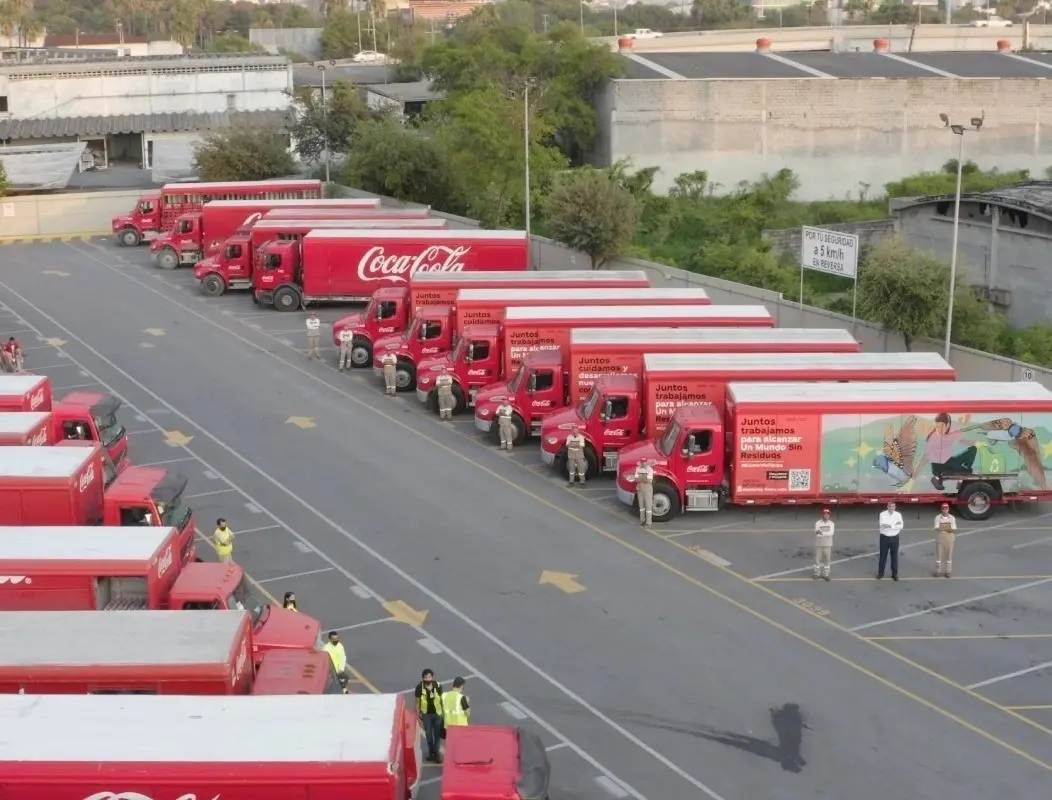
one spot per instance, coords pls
(137, 796)
(36, 399)
(15, 579)
(376, 265)
(164, 562)
(88, 478)
(39, 439)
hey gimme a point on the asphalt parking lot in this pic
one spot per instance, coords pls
(976, 646)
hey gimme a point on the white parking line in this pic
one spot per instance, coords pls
(77, 386)
(39, 368)
(956, 604)
(1031, 544)
(435, 598)
(361, 624)
(430, 645)
(158, 429)
(512, 710)
(165, 463)
(554, 747)
(611, 787)
(295, 575)
(1018, 673)
(450, 682)
(257, 530)
(209, 494)
(360, 591)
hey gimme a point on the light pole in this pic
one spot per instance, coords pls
(324, 122)
(975, 124)
(582, 17)
(526, 150)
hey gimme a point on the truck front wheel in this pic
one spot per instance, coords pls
(666, 501)
(361, 353)
(518, 427)
(591, 469)
(129, 237)
(287, 299)
(405, 376)
(977, 501)
(213, 285)
(167, 258)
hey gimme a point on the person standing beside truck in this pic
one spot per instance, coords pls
(823, 545)
(945, 536)
(446, 401)
(644, 478)
(389, 363)
(455, 706)
(346, 336)
(313, 335)
(428, 695)
(223, 539)
(334, 647)
(505, 426)
(891, 525)
(289, 602)
(576, 465)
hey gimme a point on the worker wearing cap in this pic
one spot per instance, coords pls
(644, 480)
(455, 707)
(506, 424)
(823, 545)
(334, 647)
(389, 363)
(446, 401)
(223, 539)
(345, 336)
(945, 535)
(429, 710)
(576, 465)
(313, 335)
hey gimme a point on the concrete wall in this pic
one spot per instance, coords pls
(787, 240)
(839, 136)
(305, 41)
(81, 213)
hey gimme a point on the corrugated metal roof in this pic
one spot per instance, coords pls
(55, 127)
(1033, 196)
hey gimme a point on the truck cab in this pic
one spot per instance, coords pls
(540, 385)
(430, 334)
(295, 672)
(229, 268)
(474, 363)
(143, 222)
(486, 762)
(610, 418)
(180, 245)
(384, 317)
(690, 458)
(151, 496)
(91, 416)
(276, 270)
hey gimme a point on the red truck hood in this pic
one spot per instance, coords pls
(205, 266)
(556, 426)
(628, 459)
(350, 321)
(123, 221)
(159, 241)
(429, 368)
(388, 344)
(287, 630)
(489, 397)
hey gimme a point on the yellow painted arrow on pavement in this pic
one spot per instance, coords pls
(563, 581)
(56, 273)
(403, 612)
(301, 422)
(55, 342)
(177, 439)
(154, 331)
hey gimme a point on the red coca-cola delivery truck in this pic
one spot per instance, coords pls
(291, 212)
(200, 233)
(231, 267)
(65, 486)
(236, 747)
(297, 672)
(972, 444)
(134, 569)
(529, 356)
(348, 266)
(391, 309)
(157, 212)
(89, 416)
(623, 409)
(26, 429)
(131, 652)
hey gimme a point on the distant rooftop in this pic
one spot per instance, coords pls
(134, 64)
(1033, 197)
(47, 128)
(415, 92)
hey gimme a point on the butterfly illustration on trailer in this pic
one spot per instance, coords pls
(898, 454)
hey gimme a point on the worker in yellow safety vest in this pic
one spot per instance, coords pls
(455, 707)
(334, 647)
(223, 539)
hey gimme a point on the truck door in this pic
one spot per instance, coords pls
(618, 429)
(236, 264)
(541, 392)
(482, 367)
(700, 452)
(430, 337)
(386, 313)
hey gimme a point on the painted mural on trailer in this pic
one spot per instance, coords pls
(922, 453)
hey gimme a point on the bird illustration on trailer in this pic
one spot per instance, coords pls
(921, 453)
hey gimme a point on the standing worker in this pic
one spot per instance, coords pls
(313, 334)
(429, 708)
(945, 535)
(455, 707)
(223, 539)
(389, 362)
(289, 602)
(575, 460)
(345, 336)
(334, 647)
(446, 401)
(891, 525)
(823, 545)
(505, 424)
(644, 478)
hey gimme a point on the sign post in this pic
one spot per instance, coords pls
(828, 251)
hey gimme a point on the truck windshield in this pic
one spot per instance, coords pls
(458, 351)
(168, 495)
(242, 599)
(590, 404)
(110, 431)
(668, 441)
(516, 382)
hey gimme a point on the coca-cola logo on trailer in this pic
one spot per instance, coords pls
(377, 265)
(138, 796)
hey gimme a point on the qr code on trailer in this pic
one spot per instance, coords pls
(800, 480)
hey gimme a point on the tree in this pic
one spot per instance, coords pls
(720, 13)
(242, 153)
(342, 35)
(590, 212)
(318, 127)
(233, 43)
(3, 180)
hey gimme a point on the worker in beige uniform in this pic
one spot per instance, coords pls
(446, 401)
(644, 480)
(945, 535)
(389, 363)
(313, 335)
(576, 465)
(505, 425)
(345, 336)
(823, 545)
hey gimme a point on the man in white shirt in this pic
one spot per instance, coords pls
(890, 527)
(823, 545)
(945, 534)
(313, 334)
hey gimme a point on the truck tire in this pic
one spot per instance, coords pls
(432, 401)
(405, 377)
(518, 425)
(167, 258)
(458, 395)
(287, 299)
(129, 237)
(361, 353)
(666, 501)
(977, 501)
(213, 285)
(591, 469)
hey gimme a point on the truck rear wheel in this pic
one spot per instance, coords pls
(666, 501)
(405, 376)
(361, 353)
(977, 501)
(167, 258)
(287, 299)
(129, 237)
(213, 285)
